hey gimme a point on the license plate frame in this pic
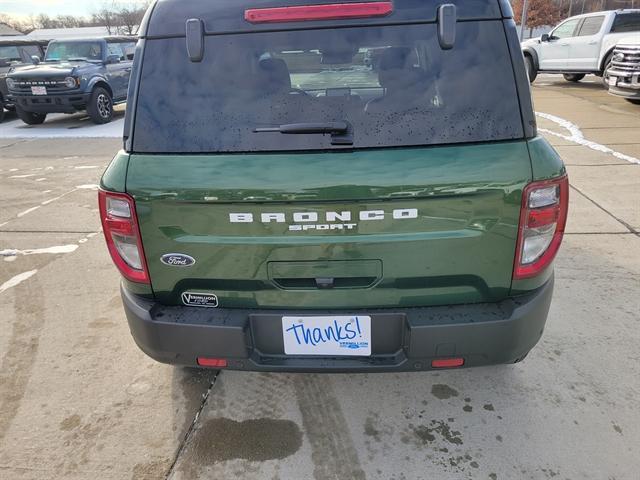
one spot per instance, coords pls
(325, 335)
(38, 90)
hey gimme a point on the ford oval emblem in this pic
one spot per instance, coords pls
(177, 260)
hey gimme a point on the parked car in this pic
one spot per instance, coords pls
(89, 74)
(15, 51)
(580, 45)
(335, 217)
(624, 72)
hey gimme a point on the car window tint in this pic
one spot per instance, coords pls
(566, 29)
(129, 49)
(30, 50)
(10, 53)
(393, 84)
(591, 26)
(626, 22)
(115, 49)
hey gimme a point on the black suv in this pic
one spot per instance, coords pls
(89, 74)
(15, 51)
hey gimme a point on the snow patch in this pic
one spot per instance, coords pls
(23, 176)
(22, 214)
(576, 136)
(12, 252)
(87, 187)
(17, 280)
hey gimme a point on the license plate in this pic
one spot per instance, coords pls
(327, 335)
(613, 81)
(39, 90)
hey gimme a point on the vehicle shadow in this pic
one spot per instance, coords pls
(595, 83)
(60, 120)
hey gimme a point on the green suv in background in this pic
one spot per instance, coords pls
(352, 186)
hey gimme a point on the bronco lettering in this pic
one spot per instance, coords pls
(299, 217)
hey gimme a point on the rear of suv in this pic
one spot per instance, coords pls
(333, 187)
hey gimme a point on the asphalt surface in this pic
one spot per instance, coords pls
(78, 400)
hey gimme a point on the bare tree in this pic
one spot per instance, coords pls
(130, 18)
(13, 22)
(105, 18)
(45, 21)
(540, 13)
(120, 17)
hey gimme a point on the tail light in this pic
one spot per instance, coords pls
(542, 220)
(332, 11)
(120, 225)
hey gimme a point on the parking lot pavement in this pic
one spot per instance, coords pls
(78, 400)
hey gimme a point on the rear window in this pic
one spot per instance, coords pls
(393, 85)
(626, 22)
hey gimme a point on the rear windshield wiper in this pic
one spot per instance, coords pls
(341, 133)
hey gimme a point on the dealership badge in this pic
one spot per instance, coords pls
(197, 299)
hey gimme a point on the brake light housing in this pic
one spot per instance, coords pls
(332, 11)
(543, 217)
(122, 234)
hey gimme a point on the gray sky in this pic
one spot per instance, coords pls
(54, 7)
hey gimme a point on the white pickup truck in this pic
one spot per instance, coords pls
(580, 45)
(624, 72)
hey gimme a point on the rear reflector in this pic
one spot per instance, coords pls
(120, 226)
(303, 13)
(447, 362)
(212, 362)
(543, 217)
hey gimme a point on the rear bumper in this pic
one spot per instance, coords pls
(403, 339)
(67, 103)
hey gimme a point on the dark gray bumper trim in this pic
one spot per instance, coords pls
(484, 334)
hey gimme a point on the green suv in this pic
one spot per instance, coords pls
(353, 186)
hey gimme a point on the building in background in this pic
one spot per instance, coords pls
(66, 33)
(7, 31)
